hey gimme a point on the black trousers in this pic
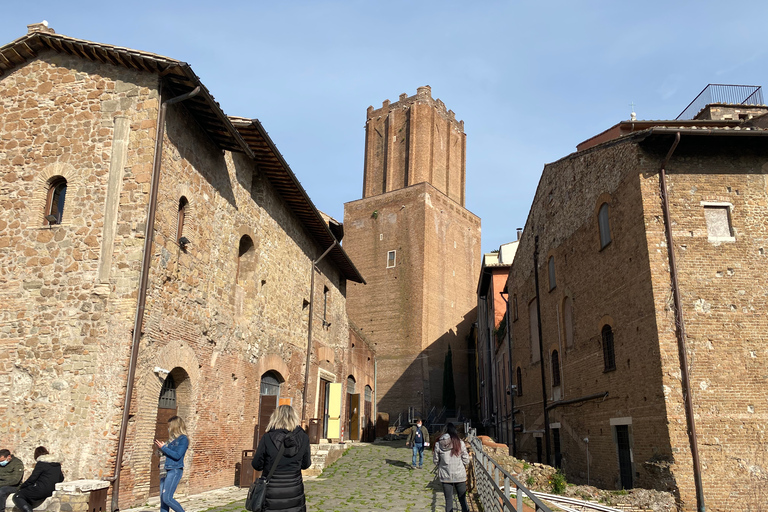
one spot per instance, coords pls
(6, 491)
(461, 490)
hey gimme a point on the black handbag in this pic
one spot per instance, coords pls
(258, 491)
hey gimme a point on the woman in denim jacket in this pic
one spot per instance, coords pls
(174, 451)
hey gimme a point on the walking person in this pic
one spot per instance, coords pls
(285, 490)
(174, 451)
(418, 438)
(41, 483)
(451, 457)
(11, 475)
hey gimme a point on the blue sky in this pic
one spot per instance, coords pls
(530, 79)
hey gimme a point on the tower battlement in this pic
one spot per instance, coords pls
(414, 140)
(423, 95)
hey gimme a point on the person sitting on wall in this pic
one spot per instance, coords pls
(11, 475)
(41, 483)
(418, 438)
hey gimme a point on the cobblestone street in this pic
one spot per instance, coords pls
(376, 477)
(368, 477)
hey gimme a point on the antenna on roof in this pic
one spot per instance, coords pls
(632, 115)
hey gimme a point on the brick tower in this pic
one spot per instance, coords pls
(418, 247)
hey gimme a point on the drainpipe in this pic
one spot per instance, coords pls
(511, 414)
(680, 328)
(541, 346)
(138, 321)
(309, 332)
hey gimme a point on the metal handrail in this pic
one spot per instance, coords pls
(494, 484)
(723, 93)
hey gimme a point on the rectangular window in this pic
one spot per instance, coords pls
(718, 219)
(390, 259)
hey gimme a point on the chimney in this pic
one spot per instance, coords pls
(40, 27)
(519, 233)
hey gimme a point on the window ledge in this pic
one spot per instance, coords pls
(717, 239)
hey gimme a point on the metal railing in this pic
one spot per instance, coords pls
(721, 93)
(495, 485)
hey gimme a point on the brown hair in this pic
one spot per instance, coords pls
(40, 451)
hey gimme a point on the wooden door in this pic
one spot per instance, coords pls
(369, 435)
(267, 406)
(354, 417)
(161, 434)
(323, 412)
(334, 410)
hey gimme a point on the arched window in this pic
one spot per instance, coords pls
(568, 321)
(605, 228)
(519, 382)
(350, 385)
(183, 203)
(368, 393)
(246, 260)
(270, 384)
(609, 357)
(552, 280)
(54, 204)
(555, 368)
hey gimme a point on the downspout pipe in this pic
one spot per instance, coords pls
(680, 330)
(309, 332)
(541, 347)
(138, 321)
(509, 386)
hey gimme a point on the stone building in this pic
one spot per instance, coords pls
(614, 402)
(419, 248)
(224, 319)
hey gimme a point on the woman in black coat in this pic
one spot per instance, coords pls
(41, 483)
(285, 490)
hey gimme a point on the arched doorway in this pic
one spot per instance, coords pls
(175, 399)
(269, 390)
(368, 431)
(353, 410)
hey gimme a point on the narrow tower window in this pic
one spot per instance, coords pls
(519, 382)
(552, 280)
(391, 259)
(555, 368)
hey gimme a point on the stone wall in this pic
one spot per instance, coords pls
(626, 285)
(71, 289)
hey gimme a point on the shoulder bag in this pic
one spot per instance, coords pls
(258, 491)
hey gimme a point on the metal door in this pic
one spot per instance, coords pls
(625, 456)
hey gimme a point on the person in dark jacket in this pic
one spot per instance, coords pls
(418, 438)
(11, 475)
(174, 451)
(285, 491)
(41, 483)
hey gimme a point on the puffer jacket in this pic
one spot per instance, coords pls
(286, 488)
(42, 482)
(450, 468)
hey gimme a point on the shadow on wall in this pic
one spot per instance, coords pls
(421, 384)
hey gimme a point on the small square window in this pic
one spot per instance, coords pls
(390, 259)
(718, 222)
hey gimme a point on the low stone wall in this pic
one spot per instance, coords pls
(74, 496)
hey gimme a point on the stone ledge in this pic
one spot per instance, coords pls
(75, 486)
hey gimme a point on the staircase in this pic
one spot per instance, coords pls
(324, 454)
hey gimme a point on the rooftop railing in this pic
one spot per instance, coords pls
(721, 93)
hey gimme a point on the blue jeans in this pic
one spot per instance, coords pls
(418, 449)
(167, 488)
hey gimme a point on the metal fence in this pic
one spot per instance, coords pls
(495, 486)
(721, 93)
